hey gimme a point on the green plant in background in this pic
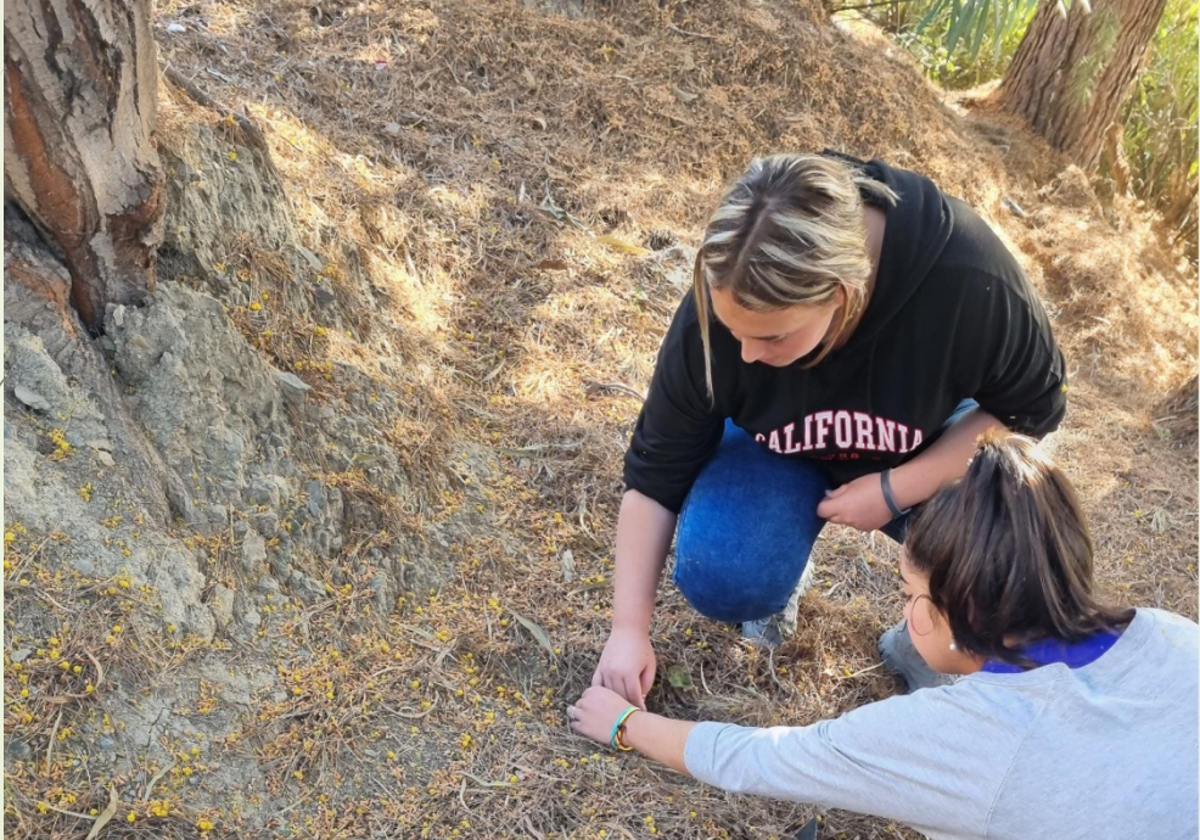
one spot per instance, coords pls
(965, 43)
(1160, 117)
(959, 43)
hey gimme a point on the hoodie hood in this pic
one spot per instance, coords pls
(918, 227)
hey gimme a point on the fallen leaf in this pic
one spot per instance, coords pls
(678, 677)
(107, 814)
(568, 565)
(535, 630)
(551, 265)
(621, 245)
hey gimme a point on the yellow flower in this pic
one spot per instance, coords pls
(132, 817)
(255, 306)
(232, 155)
(204, 825)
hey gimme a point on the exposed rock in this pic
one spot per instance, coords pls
(222, 606)
(254, 551)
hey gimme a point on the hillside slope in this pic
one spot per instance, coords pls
(418, 261)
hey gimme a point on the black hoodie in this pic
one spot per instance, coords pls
(952, 316)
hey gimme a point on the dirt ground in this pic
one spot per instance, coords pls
(499, 200)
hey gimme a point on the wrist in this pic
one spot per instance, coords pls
(633, 732)
(630, 626)
(907, 489)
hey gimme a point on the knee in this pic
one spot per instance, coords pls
(726, 589)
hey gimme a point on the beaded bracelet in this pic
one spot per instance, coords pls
(614, 738)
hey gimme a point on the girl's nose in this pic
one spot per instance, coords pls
(752, 351)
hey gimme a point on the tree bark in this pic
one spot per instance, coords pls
(79, 157)
(1074, 68)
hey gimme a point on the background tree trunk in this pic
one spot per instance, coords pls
(79, 159)
(1074, 68)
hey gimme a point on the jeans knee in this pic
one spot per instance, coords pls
(718, 591)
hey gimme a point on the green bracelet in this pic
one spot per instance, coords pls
(621, 718)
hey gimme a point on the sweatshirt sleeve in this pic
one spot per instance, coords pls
(1020, 378)
(678, 428)
(912, 759)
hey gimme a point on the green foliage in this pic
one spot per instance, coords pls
(1160, 115)
(964, 43)
(960, 43)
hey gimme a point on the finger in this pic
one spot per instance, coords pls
(629, 690)
(826, 509)
(647, 682)
(636, 696)
(598, 677)
(835, 492)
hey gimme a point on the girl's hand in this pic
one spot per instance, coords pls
(859, 504)
(627, 665)
(594, 714)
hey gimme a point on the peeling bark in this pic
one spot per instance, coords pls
(79, 157)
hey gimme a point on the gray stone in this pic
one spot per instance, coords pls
(316, 497)
(20, 654)
(291, 384)
(254, 551)
(222, 605)
(107, 744)
(18, 750)
(267, 524)
(323, 294)
(263, 491)
(31, 398)
(307, 589)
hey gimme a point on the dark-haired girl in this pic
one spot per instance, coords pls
(1070, 718)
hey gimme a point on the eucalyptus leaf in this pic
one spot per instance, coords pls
(539, 635)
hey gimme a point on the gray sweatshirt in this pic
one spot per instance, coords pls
(1106, 750)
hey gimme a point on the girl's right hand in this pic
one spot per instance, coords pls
(627, 665)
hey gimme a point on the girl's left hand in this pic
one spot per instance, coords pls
(859, 504)
(594, 714)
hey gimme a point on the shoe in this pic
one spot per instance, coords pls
(900, 655)
(770, 632)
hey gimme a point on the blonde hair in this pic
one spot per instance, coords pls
(789, 232)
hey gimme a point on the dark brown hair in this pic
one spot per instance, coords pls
(1008, 555)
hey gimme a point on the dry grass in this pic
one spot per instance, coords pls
(456, 163)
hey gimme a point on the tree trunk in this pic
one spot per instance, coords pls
(79, 159)
(1074, 68)
(1113, 155)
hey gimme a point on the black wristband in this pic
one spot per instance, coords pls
(885, 481)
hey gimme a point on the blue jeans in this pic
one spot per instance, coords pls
(749, 524)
